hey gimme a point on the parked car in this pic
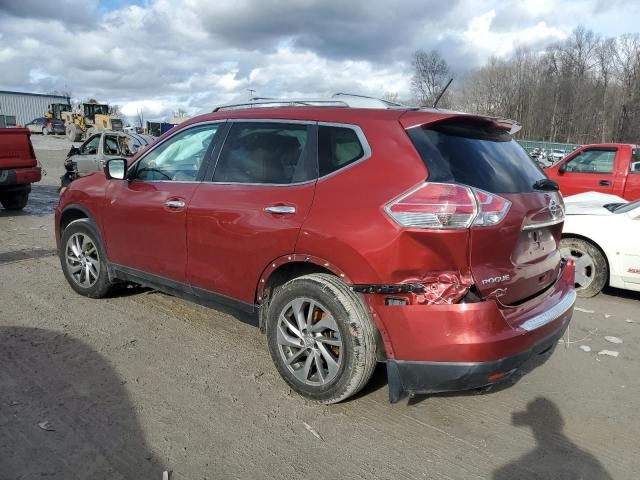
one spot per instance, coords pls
(612, 168)
(602, 235)
(18, 167)
(97, 149)
(557, 155)
(46, 126)
(426, 239)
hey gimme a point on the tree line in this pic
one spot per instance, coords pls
(585, 89)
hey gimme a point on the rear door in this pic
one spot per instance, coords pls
(519, 255)
(250, 210)
(592, 169)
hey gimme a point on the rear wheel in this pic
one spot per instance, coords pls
(45, 131)
(83, 261)
(592, 271)
(321, 338)
(14, 200)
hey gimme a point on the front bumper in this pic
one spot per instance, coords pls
(440, 348)
(20, 176)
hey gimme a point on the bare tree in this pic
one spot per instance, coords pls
(430, 75)
(140, 118)
(584, 90)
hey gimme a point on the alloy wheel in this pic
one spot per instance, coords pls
(83, 261)
(309, 341)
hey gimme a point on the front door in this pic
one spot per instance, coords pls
(252, 210)
(589, 170)
(145, 216)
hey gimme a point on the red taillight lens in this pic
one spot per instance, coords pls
(50, 124)
(491, 208)
(435, 205)
(446, 206)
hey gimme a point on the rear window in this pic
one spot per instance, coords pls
(476, 155)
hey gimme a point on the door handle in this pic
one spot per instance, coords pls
(281, 209)
(174, 203)
(604, 183)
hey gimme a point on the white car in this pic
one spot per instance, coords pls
(602, 235)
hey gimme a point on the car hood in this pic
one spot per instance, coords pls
(590, 203)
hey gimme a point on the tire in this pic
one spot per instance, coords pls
(14, 200)
(74, 132)
(92, 281)
(592, 269)
(90, 131)
(346, 329)
(45, 131)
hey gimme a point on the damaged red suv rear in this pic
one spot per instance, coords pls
(425, 239)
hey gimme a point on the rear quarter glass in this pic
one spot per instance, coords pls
(476, 155)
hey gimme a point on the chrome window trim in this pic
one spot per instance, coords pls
(147, 152)
(366, 148)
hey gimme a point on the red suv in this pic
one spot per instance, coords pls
(425, 239)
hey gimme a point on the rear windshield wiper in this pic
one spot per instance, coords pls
(546, 184)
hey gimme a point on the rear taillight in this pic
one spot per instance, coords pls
(491, 208)
(447, 206)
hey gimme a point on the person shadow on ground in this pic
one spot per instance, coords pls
(555, 456)
(65, 412)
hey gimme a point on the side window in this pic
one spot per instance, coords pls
(592, 161)
(90, 147)
(178, 158)
(337, 148)
(635, 160)
(273, 153)
(111, 145)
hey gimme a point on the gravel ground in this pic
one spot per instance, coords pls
(139, 383)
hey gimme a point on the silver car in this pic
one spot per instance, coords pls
(96, 150)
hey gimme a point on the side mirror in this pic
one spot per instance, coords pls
(116, 169)
(73, 151)
(562, 168)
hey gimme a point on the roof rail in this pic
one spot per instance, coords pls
(337, 100)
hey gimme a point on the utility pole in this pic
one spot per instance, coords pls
(252, 92)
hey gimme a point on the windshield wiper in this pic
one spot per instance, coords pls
(546, 184)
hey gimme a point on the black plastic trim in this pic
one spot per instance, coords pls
(177, 289)
(389, 289)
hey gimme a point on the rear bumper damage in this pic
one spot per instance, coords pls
(409, 378)
(443, 348)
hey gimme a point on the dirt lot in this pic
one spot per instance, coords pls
(130, 386)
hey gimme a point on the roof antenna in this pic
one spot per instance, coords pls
(435, 104)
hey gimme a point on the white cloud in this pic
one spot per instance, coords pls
(194, 54)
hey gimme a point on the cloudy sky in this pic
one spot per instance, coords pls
(161, 55)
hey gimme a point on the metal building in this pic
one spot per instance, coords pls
(25, 106)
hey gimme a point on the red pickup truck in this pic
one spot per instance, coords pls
(18, 167)
(612, 168)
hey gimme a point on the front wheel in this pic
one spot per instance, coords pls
(321, 338)
(45, 131)
(592, 270)
(83, 260)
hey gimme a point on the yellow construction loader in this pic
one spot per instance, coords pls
(87, 119)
